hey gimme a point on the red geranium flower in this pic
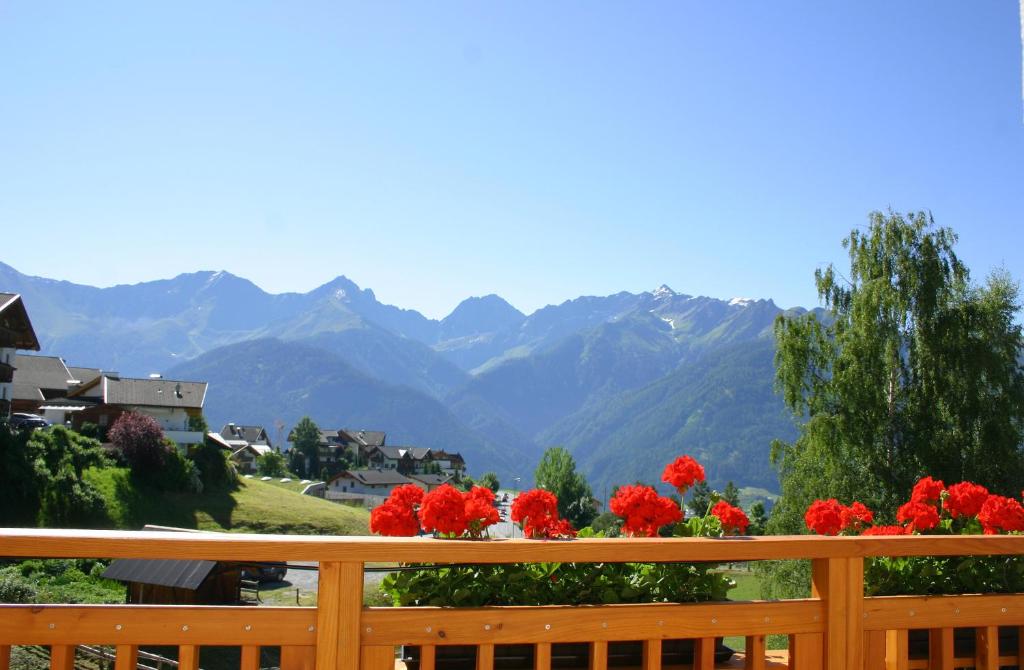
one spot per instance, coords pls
(443, 511)
(406, 496)
(918, 516)
(885, 530)
(1001, 514)
(479, 510)
(825, 517)
(683, 473)
(392, 519)
(965, 499)
(643, 510)
(856, 516)
(734, 520)
(535, 511)
(927, 490)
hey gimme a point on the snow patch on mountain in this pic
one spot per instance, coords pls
(742, 302)
(663, 292)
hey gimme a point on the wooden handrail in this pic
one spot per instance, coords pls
(56, 543)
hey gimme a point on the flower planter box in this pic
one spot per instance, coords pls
(569, 656)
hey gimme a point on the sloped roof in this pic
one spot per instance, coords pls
(251, 434)
(32, 374)
(453, 456)
(367, 438)
(84, 375)
(182, 574)
(258, 449)
(153, 392)
(14, 317)
(397, 453)
(432, 479)
(374, 477)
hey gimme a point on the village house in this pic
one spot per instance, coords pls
(42, 383)
(16, 333)
(245, 445)
(172, 403)
(429, 482)
(449, 463)
(404, 460)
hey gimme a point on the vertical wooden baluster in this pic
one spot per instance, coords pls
(427, 656)
(339, 608)
(542, 656)
(294, 657)
(704, 653)
(250, 657)
(5, 657)
(652, 655)
(127, 657)
(897, 649)
(874, 650)
(986, 648)
(599, 655)
(754, 659)
(377, 657)
(940, 649)
(806, 651)
(829, 579)
(188, 657)
(62, 657)
(854, 597)
(485, 657)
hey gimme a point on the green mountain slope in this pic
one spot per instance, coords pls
(720, 408)
(267, 380)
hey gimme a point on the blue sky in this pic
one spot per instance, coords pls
(433, 151)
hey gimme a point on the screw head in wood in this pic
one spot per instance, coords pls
(248, 626)
(487, 626)
(118, 627)
(185, 627)
(547, 626)
(52, 626)
(311, 629)
(430, 629)
(714, 621)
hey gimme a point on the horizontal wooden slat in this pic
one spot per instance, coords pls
(156, 625)
(57, 543)
(509, 625)
(891, 612)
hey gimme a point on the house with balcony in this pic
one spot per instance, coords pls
(404, 460)
(171, 402)
(450, 463)
(16, 333)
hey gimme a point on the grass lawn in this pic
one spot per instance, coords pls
(254, 507)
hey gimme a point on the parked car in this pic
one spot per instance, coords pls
(22, 420)
(271, 571)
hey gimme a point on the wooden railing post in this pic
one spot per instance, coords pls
(840, 583)
(339, 610)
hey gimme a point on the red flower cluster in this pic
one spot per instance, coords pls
(537, 512)
(734, 520)
(683, 473)
(444, 511)
(918, 515)
(856, 517)
(825, 517)
(643, 510)
(1001, 514)
(397, 516)
(448, 512)
(927, 490)
(965, 499)
(479, 510)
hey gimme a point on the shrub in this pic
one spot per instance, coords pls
(14, 588)
(140, 440)
(271, 464)
(215, 469)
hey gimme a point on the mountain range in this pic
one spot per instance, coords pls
(624, 381)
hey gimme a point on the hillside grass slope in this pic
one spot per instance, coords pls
(254, 507)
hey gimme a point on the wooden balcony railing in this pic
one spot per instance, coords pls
(837, 628)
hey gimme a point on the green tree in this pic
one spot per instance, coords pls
(556, 472)
(271, 464)
(60, 456)
(490, 480)
(700, 498)
(911, 370)
(758, 519)
(731, 494)
(305, 439)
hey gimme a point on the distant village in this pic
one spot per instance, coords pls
(36, 391)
